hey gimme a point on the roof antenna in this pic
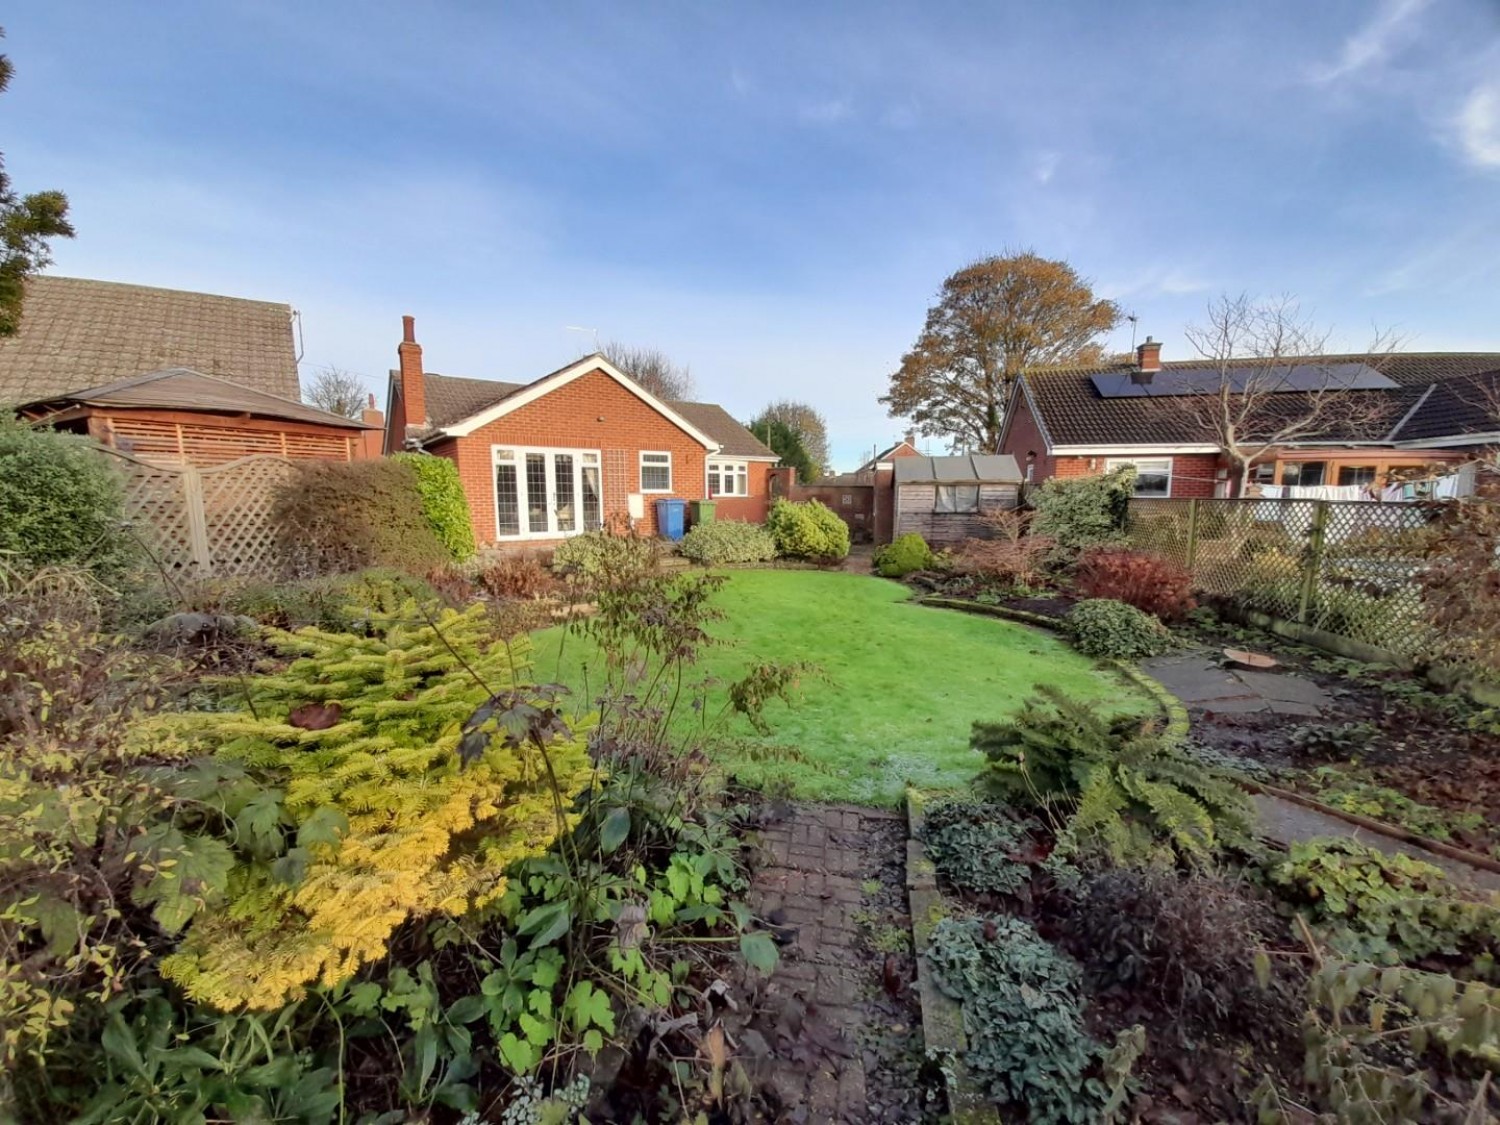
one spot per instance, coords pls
(1133, 319)
(593, 331)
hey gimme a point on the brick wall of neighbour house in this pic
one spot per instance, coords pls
(1193, 474)
(852, 503)
(591, 412)
(752, 508)
(1023, 437)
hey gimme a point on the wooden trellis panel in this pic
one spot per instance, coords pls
(213, 521)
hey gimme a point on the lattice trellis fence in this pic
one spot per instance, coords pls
(1347, 568)
(206, 521)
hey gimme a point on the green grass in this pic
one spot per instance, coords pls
(901, 685)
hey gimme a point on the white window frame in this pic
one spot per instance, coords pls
(641, 469)
(518, 459)
(1112, 463)
(721, 467)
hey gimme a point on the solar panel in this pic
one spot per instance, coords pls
(1272, 378)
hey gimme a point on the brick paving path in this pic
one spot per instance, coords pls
(810, 884)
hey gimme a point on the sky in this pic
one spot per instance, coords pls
(770, 192)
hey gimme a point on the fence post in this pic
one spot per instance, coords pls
(1313, 567)
(1192, 543)
(197, 521)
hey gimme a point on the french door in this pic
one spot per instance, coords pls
(546, 493)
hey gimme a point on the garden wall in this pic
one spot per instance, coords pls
(1338, 574)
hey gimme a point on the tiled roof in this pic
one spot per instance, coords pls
(178, 388)
(1073, 412)
(717, 423)
(452, 398)
(76, 333)
(1456, 408)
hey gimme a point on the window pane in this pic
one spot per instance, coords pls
(713, 482)
(507, 502)
(656, 472)
(1152, 482)
(1356, 474)
(567, 513)
(536, 492)
(591, 514)
(1307, 474)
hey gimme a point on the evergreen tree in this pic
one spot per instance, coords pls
(26, 223)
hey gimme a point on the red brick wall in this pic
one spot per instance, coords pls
(1024, 436)
(1192, 473)
(591, 412)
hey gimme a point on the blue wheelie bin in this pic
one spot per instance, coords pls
(671, 519)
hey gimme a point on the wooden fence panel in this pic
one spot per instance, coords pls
(206, 522)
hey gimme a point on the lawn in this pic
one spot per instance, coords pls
(903, 682)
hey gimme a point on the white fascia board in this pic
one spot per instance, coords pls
(1129, 450)
(1452, 440)
(550, 383)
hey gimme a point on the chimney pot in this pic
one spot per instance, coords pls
(1148, 356)
(409, 329)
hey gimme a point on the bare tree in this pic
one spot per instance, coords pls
(653, 369)
(336, 391)
(1267, 382)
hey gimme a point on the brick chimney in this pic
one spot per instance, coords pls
(1148, 356)
(409, 355)
(370, 440)
(911, 438)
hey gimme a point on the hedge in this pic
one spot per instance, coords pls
(443, 502)
(61, 502)
(808, 530)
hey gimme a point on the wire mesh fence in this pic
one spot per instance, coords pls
(1349, 568)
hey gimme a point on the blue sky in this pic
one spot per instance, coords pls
(770, 192)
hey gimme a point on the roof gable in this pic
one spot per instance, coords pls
(529, 393)
(77, 333)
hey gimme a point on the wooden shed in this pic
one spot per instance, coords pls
(183, 417)
(944, 499)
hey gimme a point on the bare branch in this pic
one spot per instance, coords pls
(337, 391)
(653, 369)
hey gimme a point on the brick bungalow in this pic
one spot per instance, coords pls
(580, 448)
(1068, 422)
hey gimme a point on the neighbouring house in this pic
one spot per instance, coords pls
(945, 499)
(169, 376)
(1437, 410)
(578, 449)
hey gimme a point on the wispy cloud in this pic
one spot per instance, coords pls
(740, 83)
(1160, 281)
(1045, 167)
(1479, 126)
(829, 112)
(1373, 43)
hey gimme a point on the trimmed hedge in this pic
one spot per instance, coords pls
(443, 502)
(808, 530)
(727, 541)
(1106, 628)
(907, 553)
(335, 517)
(597, 555)
(61, 502)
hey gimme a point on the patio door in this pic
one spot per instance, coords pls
(546, 493)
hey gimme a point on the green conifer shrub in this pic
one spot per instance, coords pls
(903, 555)
(1079, 512)
(808, 530)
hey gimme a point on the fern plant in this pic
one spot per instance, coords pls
(1125, 789)
(374, 780)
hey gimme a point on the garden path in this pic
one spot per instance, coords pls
(1203, 685)
(832, 876)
